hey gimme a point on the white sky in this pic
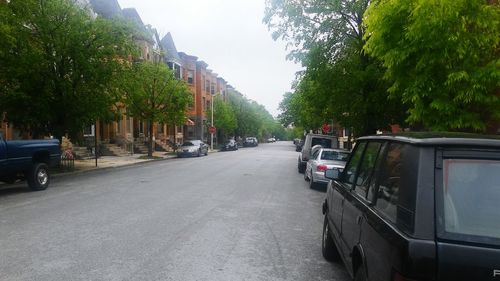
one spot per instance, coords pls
(228, 35)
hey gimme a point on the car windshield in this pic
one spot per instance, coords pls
(188, 143)
(470, 197)
(334, 155)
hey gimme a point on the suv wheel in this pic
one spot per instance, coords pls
(360, 274)
(306, 178)
(328, 248)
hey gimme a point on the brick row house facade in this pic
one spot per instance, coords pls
(127, 131)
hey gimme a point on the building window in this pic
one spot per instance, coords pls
(207, 86)
(190, 79)
(204, 104)
(208, 104)
(89, 131)
(212, 89)
(177, 71)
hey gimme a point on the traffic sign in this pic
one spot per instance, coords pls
(325, 128)
(211, 130)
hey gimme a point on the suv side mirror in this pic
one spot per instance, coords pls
(333, 174)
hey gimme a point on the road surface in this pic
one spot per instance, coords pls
(243, 215)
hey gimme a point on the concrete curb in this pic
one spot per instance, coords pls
(96, 169)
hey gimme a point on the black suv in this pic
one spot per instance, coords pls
(416, 207)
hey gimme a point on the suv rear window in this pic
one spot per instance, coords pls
(471, 193)
(326, 143)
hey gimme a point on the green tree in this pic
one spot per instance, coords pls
(340, 82)
(60, 66)
(224, 118)
(153, 94)
(442, 58)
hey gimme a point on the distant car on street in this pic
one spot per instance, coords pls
(321, 160)
(192, 148)
(230, 145)
(250, 141)
(271, 140)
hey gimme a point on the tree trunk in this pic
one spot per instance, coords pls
(150, 144)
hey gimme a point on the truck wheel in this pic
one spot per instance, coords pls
(328, 248)
(38, 177)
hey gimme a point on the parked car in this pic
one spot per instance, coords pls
(416, 207)
(321, 160)
(310, 141)
(29, 159)
(230, 145)
(250, 141)
(192, 148)
(271, 140)
(298, 145)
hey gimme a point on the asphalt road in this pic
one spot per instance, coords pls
(243, 215)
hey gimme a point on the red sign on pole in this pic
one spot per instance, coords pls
(211, 130)
(325, 128)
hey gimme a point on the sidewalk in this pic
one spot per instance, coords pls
(104, 162)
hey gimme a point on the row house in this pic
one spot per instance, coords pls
(202, 82)
(127, 129)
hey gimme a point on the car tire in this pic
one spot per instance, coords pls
(312, 184)
(360, 274)
(328, 248)
(38, 177)
(306, 178)
(300, 168)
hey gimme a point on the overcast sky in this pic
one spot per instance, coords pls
(228, 35)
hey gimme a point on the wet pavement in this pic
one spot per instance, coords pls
(243, 215)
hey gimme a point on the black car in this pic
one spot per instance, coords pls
(416, 207)
(230, 145)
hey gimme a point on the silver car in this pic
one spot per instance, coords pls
(193, 148)
(322, 159)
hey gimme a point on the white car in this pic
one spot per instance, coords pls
(321, 160)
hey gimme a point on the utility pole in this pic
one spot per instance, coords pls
(212, 123)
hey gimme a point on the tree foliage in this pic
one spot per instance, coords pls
(59, 65)
(340, 82)
(224, 117)
(441, 58)
(153, 94)
(253, 119)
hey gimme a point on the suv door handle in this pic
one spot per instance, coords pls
(359, 219)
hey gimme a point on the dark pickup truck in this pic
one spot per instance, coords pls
(28, 159)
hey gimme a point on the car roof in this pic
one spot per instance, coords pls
(336, 150)
(321, 136)
(439, 138)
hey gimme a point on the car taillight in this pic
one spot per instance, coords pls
(399, 277)
(321, 168)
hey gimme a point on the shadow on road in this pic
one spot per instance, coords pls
(9, 189)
